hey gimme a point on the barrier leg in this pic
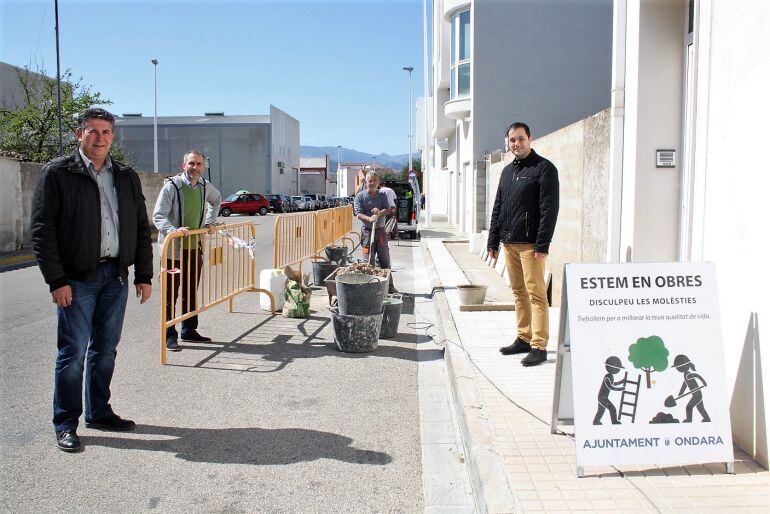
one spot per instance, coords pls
(269, 295)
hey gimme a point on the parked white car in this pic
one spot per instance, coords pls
(310, 203)
(299, 203)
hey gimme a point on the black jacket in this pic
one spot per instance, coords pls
(526, 204)
(66, 223)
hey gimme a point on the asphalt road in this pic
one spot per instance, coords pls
(270, 417)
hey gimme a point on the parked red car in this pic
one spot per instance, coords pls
(248, 203)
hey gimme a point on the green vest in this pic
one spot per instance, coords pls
(191, 216)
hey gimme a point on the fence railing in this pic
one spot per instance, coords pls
(201, 270)
(299, 237)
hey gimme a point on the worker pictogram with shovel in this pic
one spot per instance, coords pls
(692, 384)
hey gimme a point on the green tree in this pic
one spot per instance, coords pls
(649, 354)
(29, 126)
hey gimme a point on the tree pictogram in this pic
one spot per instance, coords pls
(648, 354)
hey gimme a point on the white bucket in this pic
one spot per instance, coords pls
(274, 281)
(476, 243)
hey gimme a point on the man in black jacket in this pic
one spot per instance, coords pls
(89, 225)
(523, 220)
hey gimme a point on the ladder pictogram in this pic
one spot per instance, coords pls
(629, 397)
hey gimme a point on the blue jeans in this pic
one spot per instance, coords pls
(90, 326)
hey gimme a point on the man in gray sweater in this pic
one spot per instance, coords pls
(181, 207)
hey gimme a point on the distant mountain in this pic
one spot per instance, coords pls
(349, 155)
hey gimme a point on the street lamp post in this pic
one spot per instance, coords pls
(58, 80)
(155, 118)
(339, 182)
(409, 112)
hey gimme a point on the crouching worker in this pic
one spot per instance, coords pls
(372, 208)
(181, 207)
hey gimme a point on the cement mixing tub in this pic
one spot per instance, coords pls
(356, 334)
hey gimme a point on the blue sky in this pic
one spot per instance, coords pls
(335, 66)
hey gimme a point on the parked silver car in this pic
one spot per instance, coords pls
(310, 203)
(299, 203)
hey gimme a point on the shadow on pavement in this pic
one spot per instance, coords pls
(247, 445)
(308, 344)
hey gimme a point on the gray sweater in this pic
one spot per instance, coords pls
(170, 206)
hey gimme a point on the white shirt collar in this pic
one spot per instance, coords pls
(187, 181)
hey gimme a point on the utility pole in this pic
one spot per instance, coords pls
(409, 112)
(155, 120)
(58, 79)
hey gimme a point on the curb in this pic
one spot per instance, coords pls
(485, 465)
(17, 259)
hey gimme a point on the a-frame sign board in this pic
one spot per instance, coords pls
(640, 368)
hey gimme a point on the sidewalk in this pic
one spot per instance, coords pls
(516, 464)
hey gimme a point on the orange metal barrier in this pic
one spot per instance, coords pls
(225, 268)
(293, 239)
(299, 237)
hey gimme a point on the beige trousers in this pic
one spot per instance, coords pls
(528, 283)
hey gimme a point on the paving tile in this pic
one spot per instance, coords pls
(550, 494)
(578, 505)
(536, 461)
(552, 505)
(531, 505)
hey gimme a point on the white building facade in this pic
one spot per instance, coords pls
(546, 63)
(687, 80)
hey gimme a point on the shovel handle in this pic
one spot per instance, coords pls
(688, 392)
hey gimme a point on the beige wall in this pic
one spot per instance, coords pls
(653, 113)
(19, 180)
(581, 153)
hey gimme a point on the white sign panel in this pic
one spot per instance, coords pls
(647, 364)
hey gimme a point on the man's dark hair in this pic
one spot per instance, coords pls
(518, 125)
(94, 113)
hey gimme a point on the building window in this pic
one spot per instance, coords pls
(460, 68)
(444, 159)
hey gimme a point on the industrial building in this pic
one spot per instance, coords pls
(256, 153)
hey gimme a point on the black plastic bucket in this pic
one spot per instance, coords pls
(321, 270)
(391, 315)
(337, 253)
(356, 334)
(360, 294)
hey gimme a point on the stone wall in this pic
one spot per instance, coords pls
(581, 153)
(19, 180)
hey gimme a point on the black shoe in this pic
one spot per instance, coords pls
(536, 356)
(172, 345)
(112, 423)
(68, 440)
(194, 336)
(518, 346)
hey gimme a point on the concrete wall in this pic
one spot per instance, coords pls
(11, 229)
(581, 153)
(19, 181)
(284, 148)
(544, 62)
